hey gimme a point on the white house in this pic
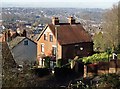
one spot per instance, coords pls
(23, 50)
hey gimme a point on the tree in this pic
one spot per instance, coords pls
(119, 26)
(99, 44)
(110, 27)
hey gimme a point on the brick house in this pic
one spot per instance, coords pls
(68, 40)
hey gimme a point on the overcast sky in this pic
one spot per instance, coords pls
(60, 3)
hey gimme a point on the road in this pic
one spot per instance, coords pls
(0, 65)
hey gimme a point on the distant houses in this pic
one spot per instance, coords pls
(64, 40)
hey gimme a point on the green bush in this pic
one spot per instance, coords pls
(47, 62)
(96, 58)
(59, 63)
(118, 55)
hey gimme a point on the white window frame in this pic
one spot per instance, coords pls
(42, 47)
(50, 38)
(54, 46)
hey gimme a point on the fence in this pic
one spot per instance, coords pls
(102, 68)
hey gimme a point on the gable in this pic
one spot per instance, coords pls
(18, 40)
(42, 32)
(68, 34)
(48, 30)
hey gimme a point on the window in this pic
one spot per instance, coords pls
(42, 48)
(77, 47)
(45, 37)
(51, 38)
(26, 42)
(53, 50)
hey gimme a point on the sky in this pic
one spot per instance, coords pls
(60, 3)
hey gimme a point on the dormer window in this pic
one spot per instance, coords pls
(51, 38)
(26, 42)
(45, 36)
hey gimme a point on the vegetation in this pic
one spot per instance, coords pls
(96, 58)
(98, 38)
(110, 80)
(118, 56)
(109, 35)
(59, 63)
(47, 62)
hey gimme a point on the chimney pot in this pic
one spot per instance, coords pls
(71, 20)
(55, 20)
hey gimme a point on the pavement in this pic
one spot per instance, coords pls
(0, 65)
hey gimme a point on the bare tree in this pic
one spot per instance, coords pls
(110, 27)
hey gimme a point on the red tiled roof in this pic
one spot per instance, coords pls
(69, 34)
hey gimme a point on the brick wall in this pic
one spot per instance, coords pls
(47, 44)
(114, 66)
(103, 68)
(72, 50)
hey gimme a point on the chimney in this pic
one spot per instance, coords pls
(55, 20)
(71, 20)
(24, 33)
(5, 36)
(8, 36)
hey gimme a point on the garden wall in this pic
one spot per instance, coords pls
(102, 68)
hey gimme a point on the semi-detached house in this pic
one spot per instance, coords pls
(67, 40)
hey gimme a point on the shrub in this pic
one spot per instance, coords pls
(96, 58)
(41, 71)
(59, 63)
(118, 55)
(62, 72)
(47, 62)
(111, 80)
